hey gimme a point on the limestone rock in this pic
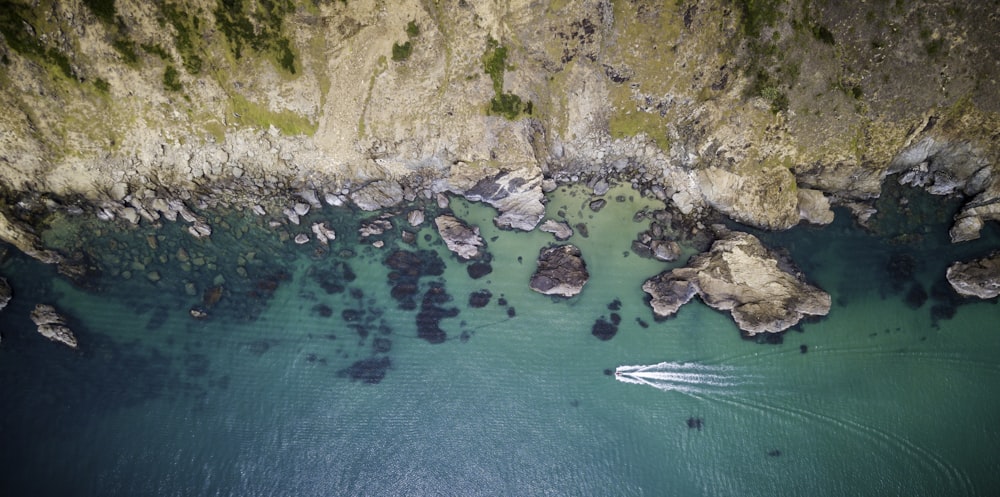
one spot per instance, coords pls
(461, 238)
(979, 278)
(415, 217)
(51, 325)
(814, 207)
(323, 234)
(301, 238)
(377, 195)
(561, 271)
(559, 229)
(516, 194)
(763, 293)
(200, 230)
(301, 209)
(374, 228)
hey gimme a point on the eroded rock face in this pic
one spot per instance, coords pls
(740, 275)
(979, 278)
(461, 238)
(516, 194)
(561, 271)
(52, 325)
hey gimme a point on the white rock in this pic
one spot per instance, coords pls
(301, 238)
(301, 209)
(415, 217)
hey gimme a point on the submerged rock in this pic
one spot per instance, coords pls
(979, 278)
(461, 238)
(561, 271)
(763, 293)
(5, 293)
(52, 325)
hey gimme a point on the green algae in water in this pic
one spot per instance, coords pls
(252, 399)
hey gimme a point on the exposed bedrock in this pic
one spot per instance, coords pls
(978, 278)
(52, 325)
(461, 238)
(762, 291)
(561, 271)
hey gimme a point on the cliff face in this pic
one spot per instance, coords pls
(765, 111)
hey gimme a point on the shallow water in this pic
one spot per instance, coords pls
(257, 399)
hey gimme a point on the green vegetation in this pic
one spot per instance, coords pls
(260, 30)
(412, 30)
(103, 9)
(102, 85)
(14, 17)
(506, 104)
(756, 15)
(286, 121)
(822, 34)
(126, 48)
(172, 79)
(401, 52)
(187, 28)
(156, 50)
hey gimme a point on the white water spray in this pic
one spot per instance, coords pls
(685, 377)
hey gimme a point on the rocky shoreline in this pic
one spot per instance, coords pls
(739, 142)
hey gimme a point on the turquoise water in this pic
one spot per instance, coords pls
(880, 398)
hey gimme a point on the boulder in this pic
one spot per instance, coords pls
(561, 271)
(323, 234)
(415, 217)
(301, 238)
(979, 278)
(461, 238)
(559, 229)
(763, 292)
(51, 325)
(378, 195)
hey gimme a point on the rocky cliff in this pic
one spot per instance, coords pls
(767, 111)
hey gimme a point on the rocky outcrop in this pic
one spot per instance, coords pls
(462, 239)
(52, 325)
(516, 194)
(979, 278)
(561, 271)
(762, 291)
(559, 229)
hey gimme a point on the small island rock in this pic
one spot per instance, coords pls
(763, 293)
(51, 325)
(461, 238)
(561, 271)
(979, 278)
(559, 229)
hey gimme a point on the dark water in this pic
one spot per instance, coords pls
(349, 371)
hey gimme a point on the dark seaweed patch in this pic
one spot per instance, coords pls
(769, 338)
(477, 270)
(323, 310)
(916, 297)
(351, 315)
(480, 298)
(371, 370)
(382, 345)
(616, 318)
(511, 312)
(615, 305)
(803, 348)
(694, 423)
(603, 329)
(641, 322)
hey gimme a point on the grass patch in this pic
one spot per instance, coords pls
(14, 17)
(103, 9)
(172, 79)
(126, 48)
(253, 114)
(102, 85)
(507, 104)
(401, 52)
(157, 50)
(186, 39)
(629, 124)
(260, 30)
(412, 30)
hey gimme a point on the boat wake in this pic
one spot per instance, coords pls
(685, 377)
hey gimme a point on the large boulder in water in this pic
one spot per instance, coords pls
(461, 238)
(52, 325)
(978, 278)
(762, 291)
(561, 271)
